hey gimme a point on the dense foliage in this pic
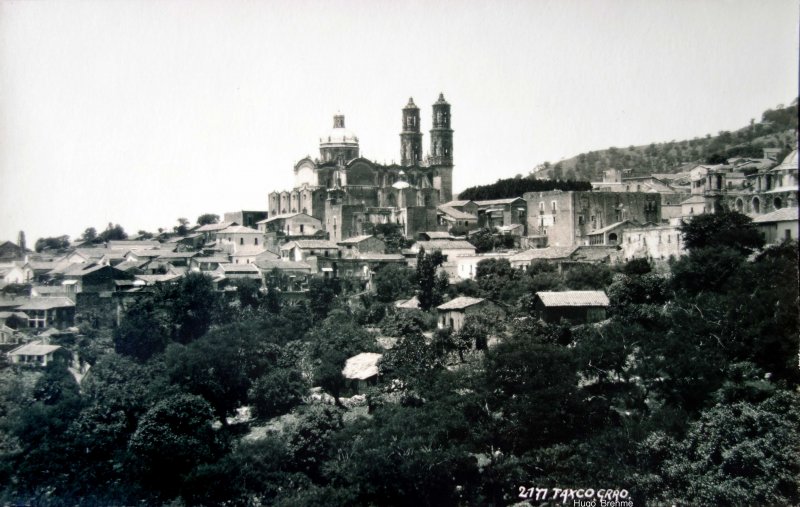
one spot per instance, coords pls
(515, 187)
(685, 395)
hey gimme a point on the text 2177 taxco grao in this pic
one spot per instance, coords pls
(579, 497)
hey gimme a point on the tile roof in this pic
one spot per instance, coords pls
(152, 253)
(434, 235)
(282, 217)
(239, 268)
(440, 244)
(310, 243)
(47, 303)
(281, 265)
(494, 202)
(779, 215)
(368, 256)
(453, 204)
(239, 229)
(412, 304)
(362, 366)
(34, 348)
(215, 227)
(550, 252)
(460, 303)
(574, 298)
(354, 240)
(219, 259)
(457, 214)
(151, 279)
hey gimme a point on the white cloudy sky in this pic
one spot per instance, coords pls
(140, 112)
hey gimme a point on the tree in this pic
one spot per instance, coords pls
(172, 438)
(277, 392)
(193, 306)
(143, 331)
(112, 233)
(57, 243)
(89, 235)
(392, 282)
(426, 279)
(207, 218)
(182, 228)
(722, 229)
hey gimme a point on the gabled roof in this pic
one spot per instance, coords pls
(46, 303)
(309, 243)
(238, 268)
(34, 348)
(152, 253)
(219, 259)
(456, 214)
(239, 229)
(362, 366)
(370, 256)
(215, 227)
(283, 217)
(434, 235)
(551, 252)
(440, 244)
(574, 298)
(152, 279)
(128, 244)
(495, 202)
(354, 240)
(83, 269)
(453, 204)
(779, 215)
(269, 265)
(460, 303)
(608, 228)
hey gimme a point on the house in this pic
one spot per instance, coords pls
(11, 252)
(452, 314)
(126, 245)
(362, 369)
(49, 311)
(467, 265)
(156, 279)
(356, 245)
(449, 248)
(694, 205)
(500, 212)
(554, 254)
(208, 263)
(451, 217)
(469, 207)
(291, 225)
(575, 306)
(609, 235)
(286, 276)
(35, 353)
(93, 278)
(301, 249)
(238, 271)
(407, 304)
(778, 225)
(655, 243)
(244, 217)
(8, 336)
(14, 274)
(13, 320)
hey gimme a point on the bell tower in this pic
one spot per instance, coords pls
(410, 136)
(441, 154)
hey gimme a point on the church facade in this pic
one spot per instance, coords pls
(349, 194)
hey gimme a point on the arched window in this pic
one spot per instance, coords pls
(777, 203)
(756, 205)
(739, 205)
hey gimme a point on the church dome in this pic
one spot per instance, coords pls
(338, 135)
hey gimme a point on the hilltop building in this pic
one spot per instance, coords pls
(347, 192)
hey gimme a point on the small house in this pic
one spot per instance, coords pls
(575, 306)
(362, 369)
(453, 313)
(35, 353)
(50, 311)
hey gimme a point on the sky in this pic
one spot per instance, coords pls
(141, 112)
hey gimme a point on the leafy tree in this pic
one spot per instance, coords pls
(144, 234)
(143, 331)
(637, 267)
(172, 438)
(393, 282)
(322, 296)
(89, 235)
(277, 392)
(207, 218)
(427, 283)
(182, 229)
(722, 229)
(392, 236)
(113, 233)
(58, 243)
(221, 365)
(588, 277)
(193, 305)
(310, 441)
(513, 187)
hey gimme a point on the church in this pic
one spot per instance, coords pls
(349, 194)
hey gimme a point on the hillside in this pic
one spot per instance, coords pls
(777, 129)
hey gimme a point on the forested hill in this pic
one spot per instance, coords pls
(777, 129)
(515, 187)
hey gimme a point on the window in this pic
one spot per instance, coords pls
(301, 228)
(787, 234)
(255, 241)
(553, 206)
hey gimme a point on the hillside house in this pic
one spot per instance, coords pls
(575, 306)
(300, 250)
(452, 314)
(352, 247)
(45, 312)
(778, 225)
(35, 353)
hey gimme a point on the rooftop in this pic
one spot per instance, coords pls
(780, 215)
(574, 298)
(362, 366)
(34, 348)
(460, 303)
(47, 303)
(551, 252)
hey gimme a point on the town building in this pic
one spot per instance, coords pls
(778, 225)
(35, 353)
(570, 218)
(453, 313)
(346, 191)
(574, 306)
(245, 218)
(45, 312)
